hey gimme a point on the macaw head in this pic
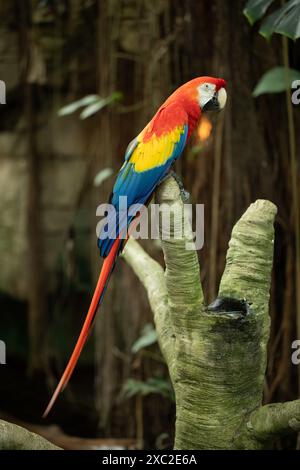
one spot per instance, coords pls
(208, 92)
(211, 93)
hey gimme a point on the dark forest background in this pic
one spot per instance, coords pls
(135, 52)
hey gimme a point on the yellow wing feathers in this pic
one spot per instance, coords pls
(155, 151)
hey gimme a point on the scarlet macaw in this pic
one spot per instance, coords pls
(148, 159)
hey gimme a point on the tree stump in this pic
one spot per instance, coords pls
(216, 356)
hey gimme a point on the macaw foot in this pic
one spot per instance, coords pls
(185, 195)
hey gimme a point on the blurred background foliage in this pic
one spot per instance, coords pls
(83, 77)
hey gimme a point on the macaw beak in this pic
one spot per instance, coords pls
(222, 98)
(218, 101)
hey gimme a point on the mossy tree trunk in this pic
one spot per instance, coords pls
(217, 360)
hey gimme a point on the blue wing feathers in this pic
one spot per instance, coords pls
(137, 187)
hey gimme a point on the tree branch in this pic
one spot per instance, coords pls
(176, 296)
(182, 266)
(249, 263)
(151, 275)
(250, 256)
(13, 437)
(274, 420)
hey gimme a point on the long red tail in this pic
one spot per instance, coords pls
(106, 270)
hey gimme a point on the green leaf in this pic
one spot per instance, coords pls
(158, 386)
(100, 104)
(72, 107)
(276, 80)
(255, 9)
(285, 21)
(92, 104)
(93, 108)
(102, 176)
(148, 337)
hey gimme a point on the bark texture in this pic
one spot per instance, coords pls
(216, 360)
(13, 437)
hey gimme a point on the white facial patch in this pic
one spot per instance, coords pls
(206, 92)
(222, 97)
